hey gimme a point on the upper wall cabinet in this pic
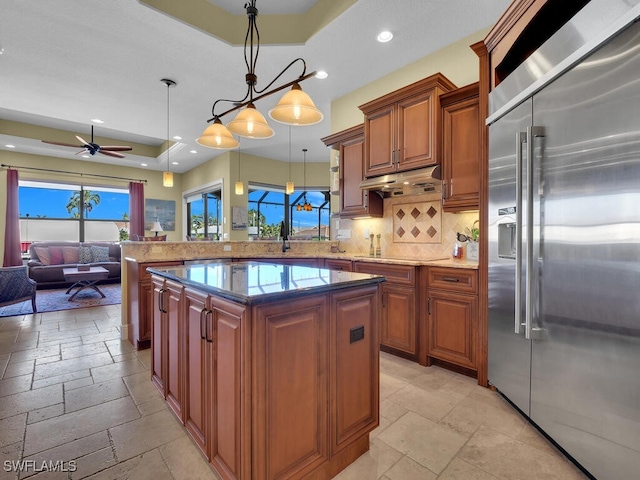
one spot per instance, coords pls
(461, 149)
(402, 128)
(354, 202)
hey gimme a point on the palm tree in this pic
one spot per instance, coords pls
(90, 199)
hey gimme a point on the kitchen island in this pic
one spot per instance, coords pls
(272, 369)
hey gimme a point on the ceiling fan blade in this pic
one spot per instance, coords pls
(81, 152)
(80, 139)
(117, 148)
(111, 154)
(63, 144)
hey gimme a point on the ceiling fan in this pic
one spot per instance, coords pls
(92, 148)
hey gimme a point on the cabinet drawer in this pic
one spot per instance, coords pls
(453, 279)
(401, 274)
(338, 264)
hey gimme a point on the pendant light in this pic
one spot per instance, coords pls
(306, 206)
(290, 188)
(239, 183)
(167, 176)
(218, 136)
(294, 108)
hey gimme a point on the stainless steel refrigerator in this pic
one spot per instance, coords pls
(564, 240)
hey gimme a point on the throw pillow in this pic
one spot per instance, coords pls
(43, 255)
(56, 255)
(70, 254)
(84, 254)
(99, 254)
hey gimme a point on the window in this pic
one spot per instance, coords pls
(50, 211)
(205, 205)
(269, 206)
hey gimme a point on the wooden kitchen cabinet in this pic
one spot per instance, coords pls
(140, 301)
(461, 128)
(399, 330)
(402, 128)
(167, 332)
(212, 399)
(452, 317)
(354, 202)
(338, 264)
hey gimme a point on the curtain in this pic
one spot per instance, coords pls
(136, 209)
(12, 255)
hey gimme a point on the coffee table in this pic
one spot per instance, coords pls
(84, 279)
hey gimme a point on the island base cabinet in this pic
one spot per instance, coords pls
(167, 331)
(274, 390)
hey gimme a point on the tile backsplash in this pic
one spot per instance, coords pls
(411, 227)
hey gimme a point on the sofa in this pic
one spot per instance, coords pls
(48, 259)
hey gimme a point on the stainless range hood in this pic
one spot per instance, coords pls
(413, 182)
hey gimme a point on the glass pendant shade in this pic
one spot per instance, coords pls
(217, 136)
(296, 108)
(167, 179)
(239, 188)
(250, 123)
(289, 189)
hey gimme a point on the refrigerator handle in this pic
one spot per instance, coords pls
(532, 328)
(521, 137)
(531, 295)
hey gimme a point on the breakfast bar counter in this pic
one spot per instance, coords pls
(273, 369)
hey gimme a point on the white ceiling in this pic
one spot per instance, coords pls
(68, 61)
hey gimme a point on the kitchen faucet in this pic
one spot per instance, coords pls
(285, 237)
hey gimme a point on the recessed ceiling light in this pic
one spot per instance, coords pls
(97, 120)
(193, 151)
(177, 137)
(175, 163)
(143, 164)
(10, 146)
(86, 156)
(384, 37)
(321, 74)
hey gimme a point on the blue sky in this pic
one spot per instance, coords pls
(52, 204)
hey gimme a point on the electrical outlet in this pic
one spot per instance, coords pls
(344, 234)
(227, 248)
(366, 233)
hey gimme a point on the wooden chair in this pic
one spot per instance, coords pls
(16, 286)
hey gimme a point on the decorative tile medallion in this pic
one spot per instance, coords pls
(417, 222)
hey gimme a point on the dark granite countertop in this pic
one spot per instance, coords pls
(259, 282)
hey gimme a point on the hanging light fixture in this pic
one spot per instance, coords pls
(294, 108)
(306, 206)
(239, 183)
(290, 188)
(167, 176)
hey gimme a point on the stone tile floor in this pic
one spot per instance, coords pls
(72, 391)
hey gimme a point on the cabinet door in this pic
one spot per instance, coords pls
(173, 345)
(158, 367)
(145, 297)
(452, 332)
(398, 323)
(380, 131)
(417, 144)
(228, 406)
(197, 351)
(461, 154)
(353, 200)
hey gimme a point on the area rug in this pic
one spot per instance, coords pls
(56, 299)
